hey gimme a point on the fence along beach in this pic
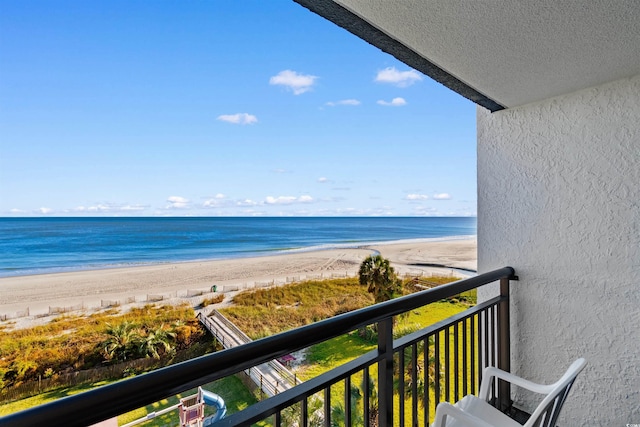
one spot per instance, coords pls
(26, 299)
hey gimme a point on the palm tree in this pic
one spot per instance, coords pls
(155, 341)
(338, 413)
(380, 277)
(419, 367)
(120, 342)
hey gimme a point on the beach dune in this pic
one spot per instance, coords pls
(90, 289)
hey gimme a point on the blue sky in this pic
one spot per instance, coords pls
(220, 108)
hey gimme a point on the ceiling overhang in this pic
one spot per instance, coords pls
(500, 54)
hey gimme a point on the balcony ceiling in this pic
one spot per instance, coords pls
(500, 54)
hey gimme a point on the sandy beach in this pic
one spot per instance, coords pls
(91, 290)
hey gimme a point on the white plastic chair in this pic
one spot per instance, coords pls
(475, 411)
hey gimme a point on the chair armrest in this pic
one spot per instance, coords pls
(445, 409)
(491, 372)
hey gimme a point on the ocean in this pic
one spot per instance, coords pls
(49, 245)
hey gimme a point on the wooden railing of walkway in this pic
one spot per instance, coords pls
(271, 377)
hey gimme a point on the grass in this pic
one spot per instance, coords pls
(266, 312)
(73, 343)
(29, 402)
(330, 354)
(231, 389)
(212, 300)
(233, 392)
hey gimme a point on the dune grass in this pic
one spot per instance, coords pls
(265, 312)
(73, 342)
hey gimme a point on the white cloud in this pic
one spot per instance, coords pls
(219, 200)
(43, 211)
(442, 196)
(281, 200)
(351, 102)
(323, 180)
(305, 199)
(16, 211)
(246, 202)
(417, 197)
(426, 211)
(177, 202)
(395, 102)
(297, 83)
(287, 200)
(239, 118)
(398, 78)
(108, 207)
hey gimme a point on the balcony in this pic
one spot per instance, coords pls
(412, 373)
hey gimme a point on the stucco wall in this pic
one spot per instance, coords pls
(559, 200)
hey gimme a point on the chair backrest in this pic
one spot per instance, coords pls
(547, 412)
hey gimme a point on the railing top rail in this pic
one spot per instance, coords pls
(90, 407)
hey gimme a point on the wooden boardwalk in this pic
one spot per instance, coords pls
(271, 377)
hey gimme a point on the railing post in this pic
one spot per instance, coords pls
(504, 347)
(385, 373)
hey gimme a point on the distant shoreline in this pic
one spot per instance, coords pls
(35, 246)
(315, 248)
(258, 254)
(178, 281)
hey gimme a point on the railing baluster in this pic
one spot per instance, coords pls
(465, 357)
(447, 363)
(436, 350)
(347, 401)
(478, 351)
(385, 373)
(504, 356)
(427, 385)
(367, 391)
(485, 316)
(327, 406)
(401, 378)
(414, 384)
(472, 350)
(456, 363)
(304, 412)
(494, 337)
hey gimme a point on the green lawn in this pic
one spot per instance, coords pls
(235, 395)
(330, 354)
(231, 389)
(29, 402)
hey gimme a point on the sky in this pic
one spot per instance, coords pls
(219, 108)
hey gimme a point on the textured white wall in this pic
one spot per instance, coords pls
(559, 200)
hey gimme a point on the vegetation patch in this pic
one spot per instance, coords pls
(78, 342)
(264, 312)
(75, 343)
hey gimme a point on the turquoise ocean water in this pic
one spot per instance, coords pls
(48, 245)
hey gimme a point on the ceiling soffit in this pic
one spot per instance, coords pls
(500, 53)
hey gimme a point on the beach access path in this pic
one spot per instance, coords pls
(271, 377)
